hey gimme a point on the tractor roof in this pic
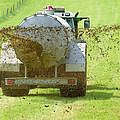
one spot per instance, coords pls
(57, 11)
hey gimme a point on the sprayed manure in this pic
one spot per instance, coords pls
(100, 41)
(102, 51)
(38, 48)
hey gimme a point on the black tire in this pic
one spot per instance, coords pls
(15, 92)
(75, 91)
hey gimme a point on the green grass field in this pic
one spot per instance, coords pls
(11, 5)
(103, 12)
(9, 8)
(102, 101)
(4, 4)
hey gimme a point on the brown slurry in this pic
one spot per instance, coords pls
(37, 48)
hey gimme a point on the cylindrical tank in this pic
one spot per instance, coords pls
(43, 42)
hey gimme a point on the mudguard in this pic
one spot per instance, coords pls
(76, 58)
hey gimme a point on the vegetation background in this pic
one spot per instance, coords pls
(103, 74)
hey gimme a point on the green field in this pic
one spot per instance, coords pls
(103, 12)
(4, 4)
(102, 101)
(11, 5)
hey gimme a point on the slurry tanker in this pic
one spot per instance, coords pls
(45, 52)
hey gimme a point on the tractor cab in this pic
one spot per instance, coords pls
(69, 17)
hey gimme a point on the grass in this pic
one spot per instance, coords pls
(4, 4)
(103, 12)
(103, 74)
(42, 104)
(13, 5)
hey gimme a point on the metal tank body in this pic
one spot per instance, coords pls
(46, 41)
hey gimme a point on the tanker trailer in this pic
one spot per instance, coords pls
(45, 53)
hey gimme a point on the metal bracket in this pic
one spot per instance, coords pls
(56, 71)
(25, 71)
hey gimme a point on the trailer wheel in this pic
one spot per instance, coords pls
(75, 91)
(15, 92)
